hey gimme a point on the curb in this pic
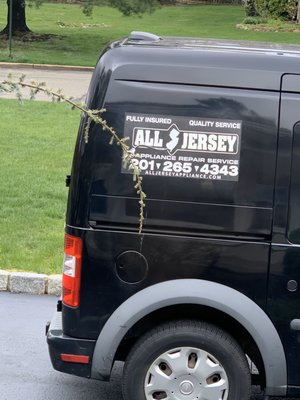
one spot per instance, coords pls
(31, 283)
(53, 67)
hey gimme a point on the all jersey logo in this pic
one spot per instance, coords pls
(173, 139)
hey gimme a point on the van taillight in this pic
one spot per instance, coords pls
(72, 271)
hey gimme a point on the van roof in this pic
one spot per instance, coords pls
(146, 57)
(150, 40)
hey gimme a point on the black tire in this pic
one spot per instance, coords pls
(188, 377)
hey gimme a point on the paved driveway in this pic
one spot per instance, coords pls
(26, 372)
(73, 82)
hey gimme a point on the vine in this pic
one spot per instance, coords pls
(11, 86)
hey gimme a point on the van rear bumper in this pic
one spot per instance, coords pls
(66, 347)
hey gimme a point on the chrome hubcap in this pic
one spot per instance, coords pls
(186, 373)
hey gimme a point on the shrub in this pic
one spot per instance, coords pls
(286, 9)
(254, 20)
(250, 8)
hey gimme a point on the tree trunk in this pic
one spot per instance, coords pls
(18, 17)
(298, 12)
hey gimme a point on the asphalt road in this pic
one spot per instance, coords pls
(72, 82)
(25, 368)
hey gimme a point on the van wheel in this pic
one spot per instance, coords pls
(186, 360)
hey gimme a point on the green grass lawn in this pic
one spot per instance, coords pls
(36, 147)
(78, 39)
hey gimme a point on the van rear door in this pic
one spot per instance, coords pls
(283, 293)
(195, 226)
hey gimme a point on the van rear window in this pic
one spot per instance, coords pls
(294, 207)
(199, 148)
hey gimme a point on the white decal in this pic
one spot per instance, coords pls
(184, 147)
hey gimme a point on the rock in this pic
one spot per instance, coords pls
(4, 275)
(54, 285)
(27, 282)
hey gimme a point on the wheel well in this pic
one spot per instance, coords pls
(203, 313)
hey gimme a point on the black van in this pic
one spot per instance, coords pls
(205, 301)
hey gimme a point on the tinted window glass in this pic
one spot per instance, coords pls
(294, 211)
